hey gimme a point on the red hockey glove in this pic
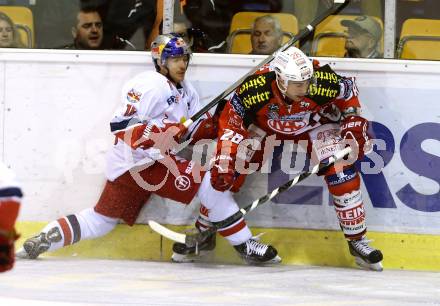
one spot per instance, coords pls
(355, 128)
(177, 130)
(222, 173)
(207, 129)
(7, 253)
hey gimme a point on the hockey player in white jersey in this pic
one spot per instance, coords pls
(140, 164)
(10, 199)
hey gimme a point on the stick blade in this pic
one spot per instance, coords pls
(167, 233)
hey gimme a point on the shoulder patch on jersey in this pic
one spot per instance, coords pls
(327, 85)
(273, 110)
(256, 90)
(133, 96)
(348, 88)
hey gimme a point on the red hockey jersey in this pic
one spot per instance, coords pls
(258, 101)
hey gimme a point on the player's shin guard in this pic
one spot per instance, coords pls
(350, 210)
(184, 253)
(66, 231)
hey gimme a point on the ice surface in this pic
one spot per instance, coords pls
(56, 281)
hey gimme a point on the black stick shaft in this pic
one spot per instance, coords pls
(318, 167)
(338, 156)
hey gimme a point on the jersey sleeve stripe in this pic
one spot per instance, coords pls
(10, 193)
(116, 127)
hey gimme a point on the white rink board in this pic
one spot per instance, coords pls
(55, 131)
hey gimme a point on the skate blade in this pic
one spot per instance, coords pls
(182, 258)
(276, 260)
(22, 254)
(369, 266)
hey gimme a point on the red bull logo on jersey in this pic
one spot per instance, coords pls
(133, 96)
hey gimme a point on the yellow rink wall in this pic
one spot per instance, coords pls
(296, 247)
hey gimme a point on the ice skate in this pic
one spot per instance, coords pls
(365, 256)
(255, 252)
(33, 247)
(184, 253)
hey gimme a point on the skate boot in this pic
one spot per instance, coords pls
(365, 256)
(255, 252)
(184, 253)
(33, 247)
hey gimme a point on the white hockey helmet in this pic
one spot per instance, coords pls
(291, 65)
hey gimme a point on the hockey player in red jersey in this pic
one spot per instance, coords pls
(140, 163)
(295, 99)
(10, 198)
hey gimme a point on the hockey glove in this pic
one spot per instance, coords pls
(354, 128)
(222, 173)
(207, 129)
(177, 130)
(7, 254)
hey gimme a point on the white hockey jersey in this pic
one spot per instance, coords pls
(149, 97)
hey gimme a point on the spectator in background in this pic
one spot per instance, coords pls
(307, 10)
(53, 21)
(213, 17)
(266, 36)
(181, 29)
(122, 19)
(193, 37)
(88, 31)
(363, 38)
(9, 36)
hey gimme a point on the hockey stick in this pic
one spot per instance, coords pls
(192, 240)
(337, 6)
